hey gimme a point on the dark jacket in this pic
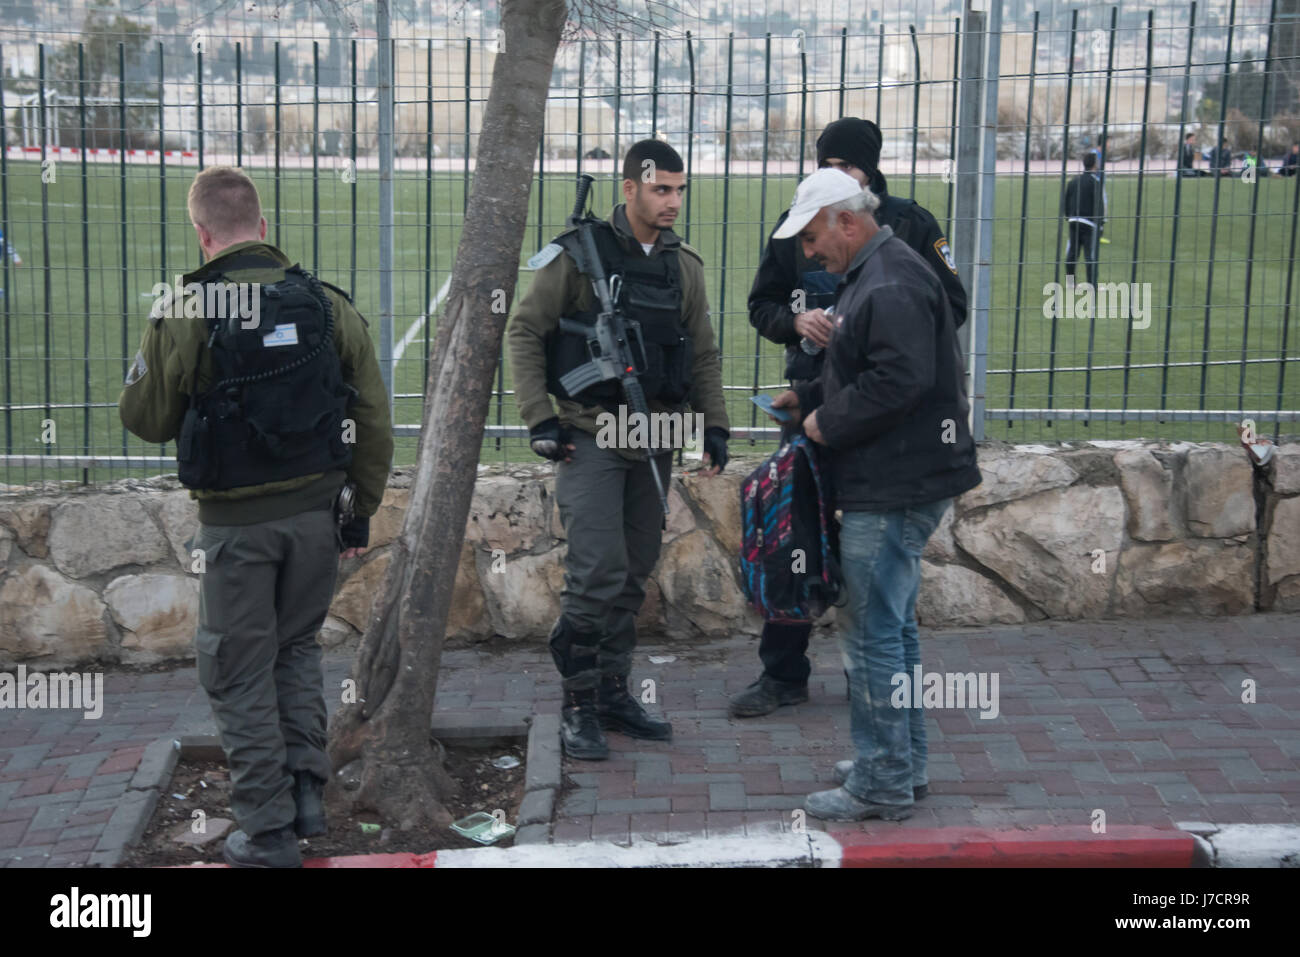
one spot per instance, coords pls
(1084, 198)
(890, 401)
(783, 269)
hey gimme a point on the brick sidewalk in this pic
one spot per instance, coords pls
(1142, 720)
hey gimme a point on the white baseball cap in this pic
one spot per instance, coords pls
(825, 187)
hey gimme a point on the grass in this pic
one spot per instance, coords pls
(69, 345)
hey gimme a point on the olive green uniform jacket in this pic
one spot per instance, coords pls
(174, 361)
(559, 289)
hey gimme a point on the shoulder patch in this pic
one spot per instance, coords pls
(544, 255)
(944, 252)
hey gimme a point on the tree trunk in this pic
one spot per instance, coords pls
(387, 729)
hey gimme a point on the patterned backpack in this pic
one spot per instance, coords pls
(787, 557)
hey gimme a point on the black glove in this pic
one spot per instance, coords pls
(715, 445)
(355, 534)
(549, 440)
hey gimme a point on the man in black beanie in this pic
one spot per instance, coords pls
(787, 304)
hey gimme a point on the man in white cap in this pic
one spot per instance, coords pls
(890, 412)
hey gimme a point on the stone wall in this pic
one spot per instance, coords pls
(1096, 530)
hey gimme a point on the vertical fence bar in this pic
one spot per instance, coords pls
(384, 92)
(726, 197)
(1254, 203)
(121, 153)
(47, 338)
(1178, 194)
(1024, 213)
(952, 130)
(1286, 307)
(582, 85)
(1137, 219)
(1060, 220)
(844, 69)
(315, 156)
(239, 104)
(654, 92)
(198, 86)
(762, 196)
(278, 238)
(352, 275)
(880, 75)
(690, 133)
(428, 205)
(803, 101)
(85, 234)
(618, 113)
(4, 265)
(916, 102)
(464, 206)
(1214, 215)
(987, 211)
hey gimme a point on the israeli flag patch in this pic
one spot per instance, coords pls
(284, 335)
(544, 255)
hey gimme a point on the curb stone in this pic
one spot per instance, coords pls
(1046, 846)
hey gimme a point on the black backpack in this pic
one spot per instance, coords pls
(277, 406)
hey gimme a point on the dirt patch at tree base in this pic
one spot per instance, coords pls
(205, 786)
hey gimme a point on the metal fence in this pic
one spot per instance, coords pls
(984, 124)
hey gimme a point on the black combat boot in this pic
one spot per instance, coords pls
(308, 797)
(766, 695)
(580, 727)
(619, 711)
(278, 848)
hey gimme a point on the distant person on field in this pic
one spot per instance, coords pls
(1188, 158)
(1292, 161)
(1084, 207)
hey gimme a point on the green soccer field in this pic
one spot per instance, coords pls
(70, 331)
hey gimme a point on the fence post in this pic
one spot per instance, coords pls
(988, 184)
(384, 91)
(966, 220)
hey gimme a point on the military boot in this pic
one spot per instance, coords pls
(308, 797)
(619, 711)
(278, 848)
(580, 727)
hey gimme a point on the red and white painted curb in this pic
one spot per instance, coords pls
(1055, 846)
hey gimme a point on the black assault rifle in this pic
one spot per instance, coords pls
(612, 339)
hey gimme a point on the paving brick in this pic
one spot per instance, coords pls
(638, 805)
(727, 796)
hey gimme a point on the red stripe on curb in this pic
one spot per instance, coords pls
(1065, 846)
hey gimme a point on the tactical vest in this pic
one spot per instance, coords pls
(276, 407)
(649, 293)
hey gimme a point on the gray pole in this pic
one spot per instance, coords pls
(384, 92)
(983, 278)
(965, 224)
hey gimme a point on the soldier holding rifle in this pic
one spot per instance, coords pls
(616, 327)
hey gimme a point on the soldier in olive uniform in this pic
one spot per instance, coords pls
(266, 454)
(612, 514)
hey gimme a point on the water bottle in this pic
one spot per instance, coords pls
(807, 345)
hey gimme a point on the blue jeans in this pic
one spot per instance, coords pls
(880, 553)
